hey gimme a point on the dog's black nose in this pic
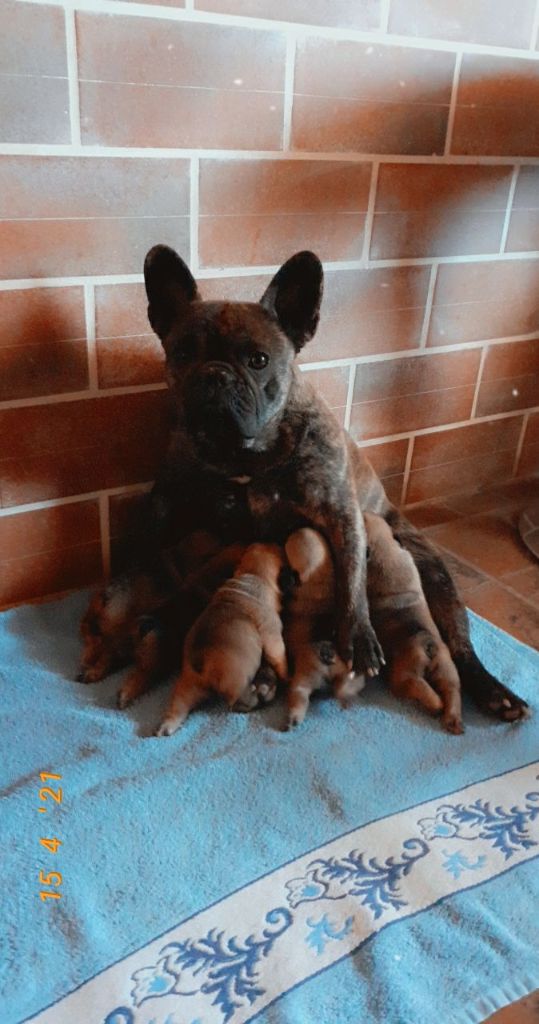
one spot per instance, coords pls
(219, 375)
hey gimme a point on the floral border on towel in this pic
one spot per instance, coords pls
(230, 973)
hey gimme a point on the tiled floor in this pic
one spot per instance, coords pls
(497, 576)
(499, 579)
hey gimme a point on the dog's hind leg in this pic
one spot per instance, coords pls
(309, 675)
(151, 661)
(445, 678)
(275, 654)
(450, 617)
(189, 692)
(406, 677)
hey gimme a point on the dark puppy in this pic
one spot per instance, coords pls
(256, 454)
(419, 665)
(143, 616)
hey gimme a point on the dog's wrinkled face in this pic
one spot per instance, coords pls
(229, 364)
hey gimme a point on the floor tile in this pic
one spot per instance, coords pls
(497, 604)
(526, 1011)
(488, 541)
(465, 576)
(430, 513)
(525, 582)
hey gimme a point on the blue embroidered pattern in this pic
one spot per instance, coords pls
(374, 883)
(228, 966)
(228, 969)
(323, 931)
(506, 830)
(456, 863)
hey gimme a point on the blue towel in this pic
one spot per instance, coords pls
(366, 867)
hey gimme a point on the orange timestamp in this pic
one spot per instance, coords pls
(51, 878)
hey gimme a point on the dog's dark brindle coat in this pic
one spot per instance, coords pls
(255, 453)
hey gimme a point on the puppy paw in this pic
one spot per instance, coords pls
(453, 724)
(123, 699)
(168, 727)
(296, 716)
(92, 673)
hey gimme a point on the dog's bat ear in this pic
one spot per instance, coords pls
(294, 295)
(170, 287)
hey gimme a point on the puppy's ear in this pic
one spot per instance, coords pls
(294, 295)
(170, 287)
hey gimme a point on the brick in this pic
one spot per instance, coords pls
(524, 224)
(132, 115)
(33, 85)
(497, 110)
(52, 451)
(358, 97)
(35, 42)
(436, 481)
(450, 461)
(529, 458)
(49, 529)
(48, 550)
(389, 458)
(67, 215)
(127, 350)
(367, 312)
(468, 442)
(478, 301)
(34, 110)
(98, 246)
(397, 395)
(358, 14)
(331, 384)
(260, 212)
(424, 210)
(132, 68)
(42, 342)
(65, 187)
(510, 378)
(491, 22)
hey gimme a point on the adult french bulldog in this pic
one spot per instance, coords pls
(256, 454)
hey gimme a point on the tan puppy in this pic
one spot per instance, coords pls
(420, 666)
(311, 614)
(224, 648)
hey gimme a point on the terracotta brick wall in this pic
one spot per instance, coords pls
(397, 138)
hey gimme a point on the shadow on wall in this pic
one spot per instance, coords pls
(62, 448)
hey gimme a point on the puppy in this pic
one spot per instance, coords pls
(144, 616)
(420, 666)
(315, 661)
(224, 648)
(159, 635)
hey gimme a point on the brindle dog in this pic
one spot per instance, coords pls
(257, 454)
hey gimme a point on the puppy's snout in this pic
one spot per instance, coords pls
(218, 374)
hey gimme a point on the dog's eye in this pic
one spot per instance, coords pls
(258, 360)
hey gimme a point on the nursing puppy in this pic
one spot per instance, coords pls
(310, 627)
(224, 649)
(143, 616)
(419, 665)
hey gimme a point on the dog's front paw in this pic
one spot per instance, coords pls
(360, 650)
